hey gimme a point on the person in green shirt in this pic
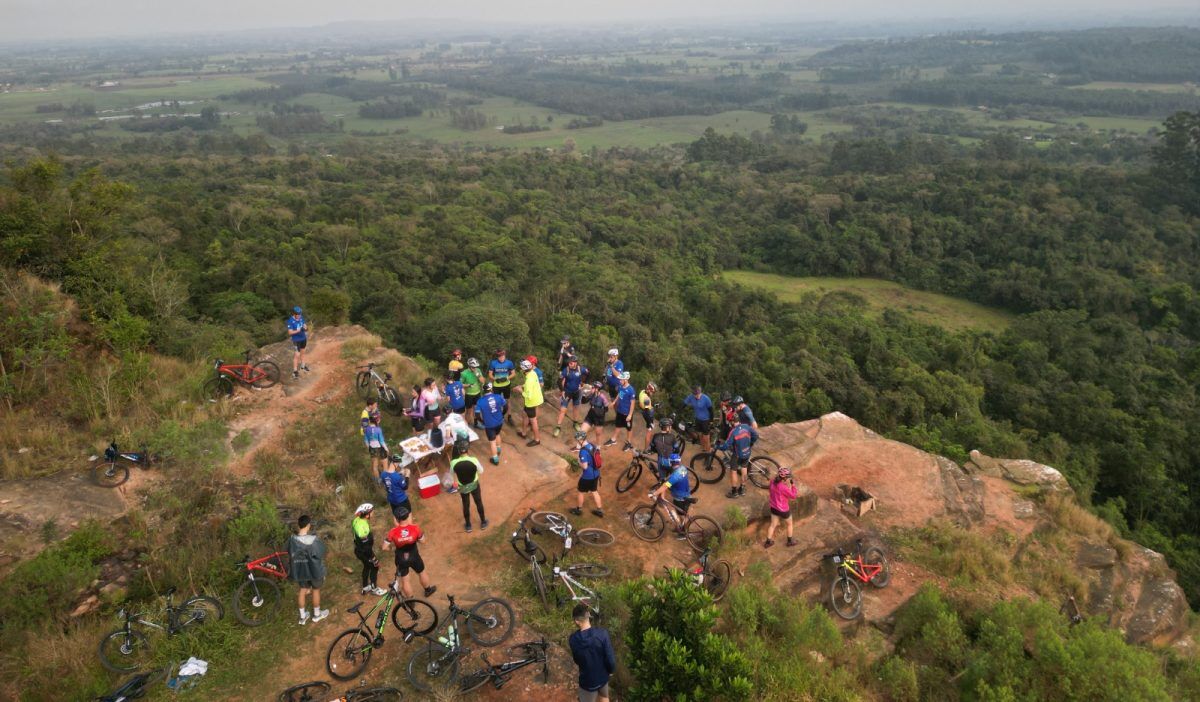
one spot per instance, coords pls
(531, 391)
(472, 381)
(364, 548)
(466, 471)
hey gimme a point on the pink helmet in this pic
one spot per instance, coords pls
(784, 473)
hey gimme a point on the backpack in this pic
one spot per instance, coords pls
(597, 459)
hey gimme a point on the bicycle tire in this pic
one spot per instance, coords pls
(391, 401)
(474, 681)
(429, 667)
(589, 570)
(256, 602)
(490, 622)
(701, 531)
(761, 470)
(128, 644)
(349, 653)
(544, 520)
(717, 580)
(270, 375)
(420, 616)
(629, 478)
(709, 467)
(875, 556)
(539, 582)
(301, 692)
(648, 523)
(110, 474)
(846, 597)
(592, 536)
(202, 609)
(535, 551)
(362, 383)
(217, 388)
(374, 694)
(693, 481)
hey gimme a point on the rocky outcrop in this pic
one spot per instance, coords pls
(1018, 470)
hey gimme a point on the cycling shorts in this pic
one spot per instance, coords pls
(493, 432)
(622, 421)
(300, 345)
(648, 415)
(569, 398)
(409, 558)
(377, 451)
(703, 425)
(588, 484)
(595, 418)
(683, 505)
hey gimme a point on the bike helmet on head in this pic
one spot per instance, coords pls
(364, 508)
(614, 352)
(402, 513)
(296, 309)
(664, 423)
(726, 397)
(624, 375)
(526, 365)
(737, 400)
(532, 359)
(572, 359)
(472, 363)
(784, 473)
(651, 387)
(599, 384)
(675, 459)
(581, 436)
(487, 387)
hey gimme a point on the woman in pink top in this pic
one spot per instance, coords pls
(783, 491)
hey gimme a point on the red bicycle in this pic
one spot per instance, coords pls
(259, 374)
(256, 600)
(871, 567)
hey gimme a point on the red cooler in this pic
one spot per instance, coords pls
(429, 485)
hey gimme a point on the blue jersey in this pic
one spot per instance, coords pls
(490, 409)
(573, 379)
(611, 370)
(501, 371)
(541, 376)
(588, 462)
(741, 438)
(678, 480)
(745, 415)
(297, 325)
(702, 406)
(373, 435)
(397, 486)
(458, 397)
(625, 400)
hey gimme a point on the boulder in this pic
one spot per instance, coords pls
(1095, 556)
(1024, 509)
(89, 605)
(1161, 614)
(962, 493)
(1018, 470)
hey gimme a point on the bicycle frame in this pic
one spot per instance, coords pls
(499, 673)
(589, 596)
(387, 601)
(853, 564)
(270, 565)
(244, 372)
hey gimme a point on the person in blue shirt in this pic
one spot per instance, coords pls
(744, 413)
(592, 651)
(702, 409)
(455, 394)
(681, 492)
(395, 482)
(297, 329)
(612, 372)
(571, 380)
(491, 410)
(589, 478)
(500, 372)
(738, 444)
(377, 447)
(623, 404)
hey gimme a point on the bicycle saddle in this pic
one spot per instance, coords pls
(355, 608)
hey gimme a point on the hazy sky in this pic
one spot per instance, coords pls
(50, 19)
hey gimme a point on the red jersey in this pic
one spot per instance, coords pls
(405, 536)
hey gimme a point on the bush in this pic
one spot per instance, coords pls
(328, 305)
(44, 588)
(476, 327)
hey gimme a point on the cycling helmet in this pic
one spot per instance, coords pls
(599, 384)
(572, 359)
(614, 352)
(664, 423)
(581, 436)
(364, 508)
(296, 309)
(726, 397)
(487, 387)
(784, 473)
(456, 352)
(651, 387)
(532, 359)
(624, 375)
(526, 365)
(675, 459)
(737, 400)
(566, 338)
(472, 363)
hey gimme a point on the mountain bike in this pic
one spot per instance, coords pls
(871, 567)
(489, 623)
(318, 691)
(256, 601)
(536, 522)
(259, 374)
(528, 653)
(710, 466)
(370, 384)
(126, 649)
(649, 523)
(135, 687)
(687, 432)
(645, 461)
(569, 577)
(351, 651)
(711, 575)
(114, 469)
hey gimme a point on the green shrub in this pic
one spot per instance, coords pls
(328, 305)
(897, 680)
(476, 327)
(43, 588)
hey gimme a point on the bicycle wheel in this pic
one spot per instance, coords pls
(539, 582)
(417, 616)
(363, 385)
(528, 549)
(846, 597)
(305, 692)
(546, 520)
(390, 400)
(474, 681)
(648, 523)
(490, 622)
(217, 388)
(374, 694)
(589, 570)
(874, 556)
(433, 665)
(717, 580)
(703, 533)
(595, 537)
(256, 602)
(349, 653)
(693, 481)
(199, 611)
(630, 477)
(762, 469)
(269, 371)
(124, 651)
(709, 467)
(110, 474)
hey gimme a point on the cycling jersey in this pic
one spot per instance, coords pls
(458, 399)
(405, 536)
(625, 398)
(663, 444)
(471, 382)
(611, 370)
(365, 418)
(573, 380)
(364, 541)
(455, 367)
(702, 406)
(587, 461)
(564, 352)
(501, 372)
(373, 436)
(296, 325)
(678, 480)
(644, 402)
(490, 409)
(397, 486)
(746, 415)
(740, 440)
(532, 390)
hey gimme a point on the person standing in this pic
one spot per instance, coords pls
(416, 410)
(456, 396)
(297, 329)
(592, 651)
(396, 483)
(597, 409)
(432, 399)
(663, 444)
(572, 378)
(744, 414)
(491, 409)
(500, 372)
(467, 470)
(566, 350)
(307, 554)
(702, 411)
(404, 537)
(364, 548)
(626, 396)
(455, 366)
(783, 491)
(646, 406)
(589, 477)
(377, 446)
(472, 381)
(612, 372)
(739, 444)
(680, 490)
(531, 392)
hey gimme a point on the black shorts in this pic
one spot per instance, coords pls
(736, 463)
(377, 451)
(622, 421)
(648, 415)
(400, 510)
(588, 484)
(418, 424)
(471, 400)
(703, 425)
(409, 559)
(431, 413)
(504, 391)
(782, 514)
(310, 584)
(493, 432)
(569, 398)
(300, 345)
(683, 505)
(531, 412)
(595, 418)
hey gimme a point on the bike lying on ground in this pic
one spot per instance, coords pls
(643, 461)
(370, 385)
(135, 687)
(351, 651)
(488, 623)
(113, 470)
(259, 374)
(710, 466)
(578, 592)
(256, 600)
(536, 522)
(528, 653)
(845, 594)
(714, 576)
(127, 649)
(318, 691)
(649, 523)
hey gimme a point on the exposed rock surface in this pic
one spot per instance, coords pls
(1018, 470)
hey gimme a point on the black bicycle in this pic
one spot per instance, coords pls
(528, 653)
(318, 691)
(686, 432)
(135, 687)
(128, 649)
(643, 461)
(711, 467)
(351, 650)
(113, 470)
(488, 623)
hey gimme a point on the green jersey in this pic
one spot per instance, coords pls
(472, 383)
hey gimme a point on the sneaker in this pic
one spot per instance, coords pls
(610, 442)
(304, 367)
(769, 543)
(483, 525)
(379, 592)
(303, 617)
(732, 493)
(366, 589)
(575, 511)
(467, 528)
(521, 434)
(295, 375)
(496, 460)
(598, 512)
(741, 490)
(791, 541)
(430, 590)
(627, 447)
(319, 614)
(533, 442)
(557, 431)
(452, 490)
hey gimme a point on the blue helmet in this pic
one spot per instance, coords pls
(296, 309)
(675, 459)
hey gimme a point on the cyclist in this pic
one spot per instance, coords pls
(597, 408)
(571, 381)
(491, 408)
(741, 438)
(702, 410)
(395, 482)
(472, 380)
(297, 329)
(404, 537)
(377, 447)
(744, 414)
(456, 397)
(612, 372)
(592, 650)
(467, 470)
(589, 478)
(500, 371)
(626, 397)
(307, 554)
(370, 411)
(455, 366)
(663, 444)
(364, 548)
(728, 416)
(566, 351)
(531, 392)
(646, 405)
(432, 398)
(783, 491)
(681, 493)
(537, 369)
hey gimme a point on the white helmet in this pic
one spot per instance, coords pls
(526, 365)
(364, 508)
(624, 375)
(613, 352)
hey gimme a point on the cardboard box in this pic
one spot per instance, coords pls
(854, 500)
(429, 485)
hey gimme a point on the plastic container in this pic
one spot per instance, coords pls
(429, 486)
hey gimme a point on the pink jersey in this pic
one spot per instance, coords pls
(782, 492)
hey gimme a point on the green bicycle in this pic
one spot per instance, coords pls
(351, 650)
